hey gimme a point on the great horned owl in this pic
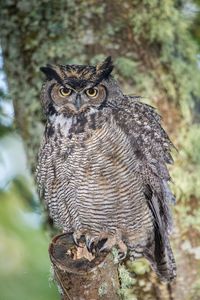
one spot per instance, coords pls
(102, 165)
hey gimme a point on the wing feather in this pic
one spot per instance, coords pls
(152, 147)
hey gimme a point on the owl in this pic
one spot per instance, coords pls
(102, 165)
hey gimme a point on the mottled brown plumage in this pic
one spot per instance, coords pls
(102, 165)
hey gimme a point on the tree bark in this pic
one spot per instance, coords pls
(80, 278)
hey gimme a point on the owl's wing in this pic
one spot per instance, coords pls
(152, 148)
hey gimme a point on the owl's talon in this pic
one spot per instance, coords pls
(111, 242)
(77, 238)
(108, 244)
(122, 250)
(122, 255)
(89, 243)
(101, 244)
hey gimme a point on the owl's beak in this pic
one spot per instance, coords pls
(78, 101)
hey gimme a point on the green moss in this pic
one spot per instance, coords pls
(103, 289)
(139, 267)
(126, 284)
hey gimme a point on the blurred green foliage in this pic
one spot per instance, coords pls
(152, 44)
(25, 267)
(187, 168)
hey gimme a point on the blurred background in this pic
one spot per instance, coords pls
(155, 46)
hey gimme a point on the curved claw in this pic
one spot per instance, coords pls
(122, 255)
(105, 245)
(89, 241)
(77, 237)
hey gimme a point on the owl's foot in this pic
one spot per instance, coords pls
(78, 236)
(115, 241)
(100, 242)
(89, 239)
(94, 242)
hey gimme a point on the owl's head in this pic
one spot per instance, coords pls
(76, 89)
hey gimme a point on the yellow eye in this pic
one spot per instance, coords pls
(64, 92)
(93, 92)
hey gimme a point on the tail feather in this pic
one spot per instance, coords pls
(159, 252)
(162, 260)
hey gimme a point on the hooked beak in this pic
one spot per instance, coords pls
(78, 101)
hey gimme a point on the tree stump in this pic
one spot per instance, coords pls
(80, 278)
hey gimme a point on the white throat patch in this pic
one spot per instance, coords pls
(66, 123)
(63, 122)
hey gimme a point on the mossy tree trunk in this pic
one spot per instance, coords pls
(154, 56)
(80, 278)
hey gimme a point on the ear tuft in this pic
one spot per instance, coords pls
(104, 68)
(51, 72)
